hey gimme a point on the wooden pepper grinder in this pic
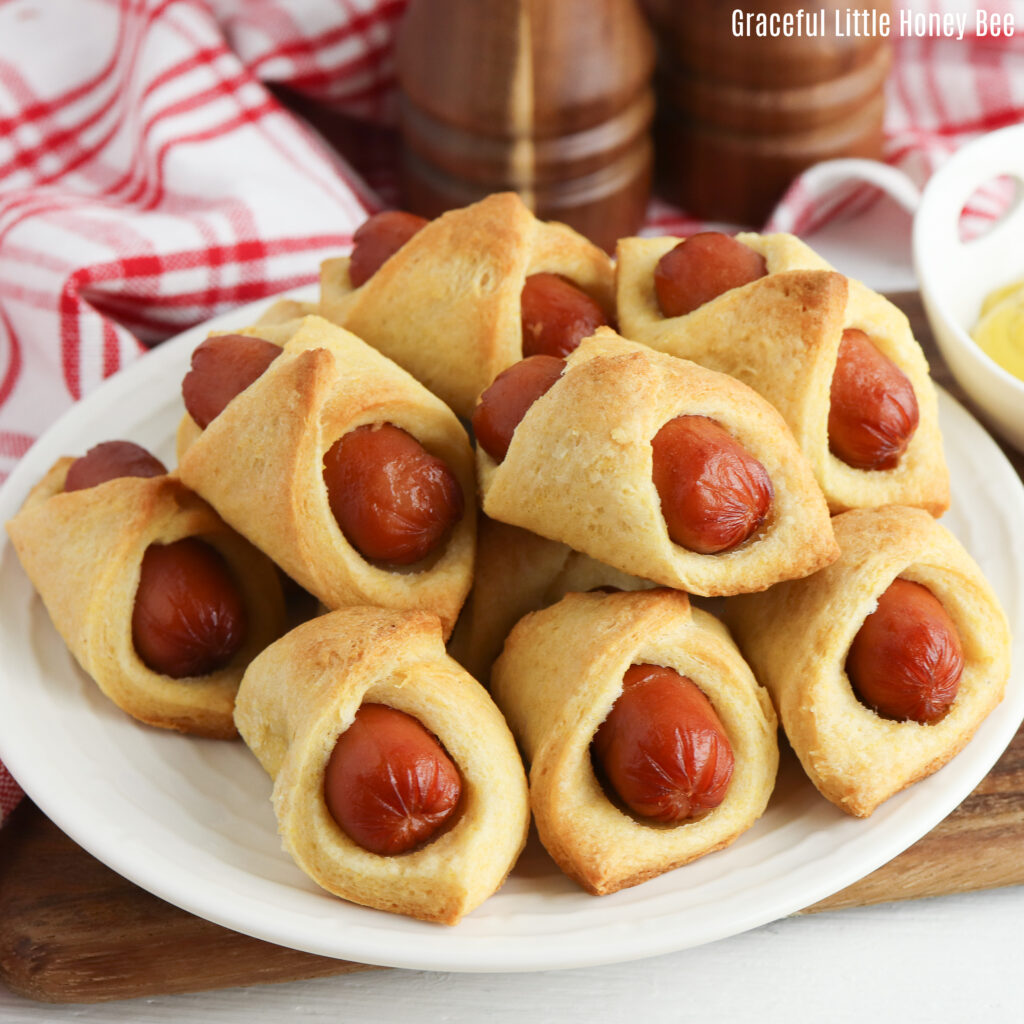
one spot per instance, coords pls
(740, 116)
(551, 100)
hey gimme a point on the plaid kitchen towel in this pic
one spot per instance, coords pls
(150, 178)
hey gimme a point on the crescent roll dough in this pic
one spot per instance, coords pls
(780, 335)
(796, 637)
(83, 552)
(260, 464)
(518, 572)
(578, 470)
(284, 311)
(304, 691)
(556, 681)
(446, 306)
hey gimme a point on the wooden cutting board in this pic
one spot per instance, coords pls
(71, 930)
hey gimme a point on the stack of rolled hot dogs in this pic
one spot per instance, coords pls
(679, 424)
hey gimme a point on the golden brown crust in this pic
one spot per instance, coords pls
(260, 464)
(83, 552)
(780, 335)
(556, 681)
(796, 637)
(304, 691)
(518, 572)
(579, 471)
(446, 306)
(284, 311)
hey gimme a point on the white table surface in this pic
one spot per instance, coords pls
(955, 958)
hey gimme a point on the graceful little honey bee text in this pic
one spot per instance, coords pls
(862, 22)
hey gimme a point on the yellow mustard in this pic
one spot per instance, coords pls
(1000, 329)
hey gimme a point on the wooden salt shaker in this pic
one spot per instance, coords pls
(551, 100)
(740, 116)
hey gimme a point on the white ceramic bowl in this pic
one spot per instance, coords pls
(955, 276)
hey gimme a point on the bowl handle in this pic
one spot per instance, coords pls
(890, 180)
(953, 184)
(830, 175)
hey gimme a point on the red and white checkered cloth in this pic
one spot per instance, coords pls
(150, 179)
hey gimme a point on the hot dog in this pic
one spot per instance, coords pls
(702, 267)
(222, 367)
(906, 660)
(394, 501)
(556, 316)
(662, 748)
(389, 784)
(110, 461)
(873, 410)
(714, 493)
(189, 618)
(503, 405)
(377, 239)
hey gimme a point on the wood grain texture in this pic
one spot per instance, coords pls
(553, 101)
(740, 115)
(71, 930)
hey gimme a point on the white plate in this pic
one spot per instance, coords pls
(190, 820)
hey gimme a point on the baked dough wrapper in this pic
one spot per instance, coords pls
(780, 335)
(284, 311)
(796, 637)
(446, 306)
(260, 464)
(518, 572)
(579, 471)
(304, 691)
(556, 681)
(83, 552)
